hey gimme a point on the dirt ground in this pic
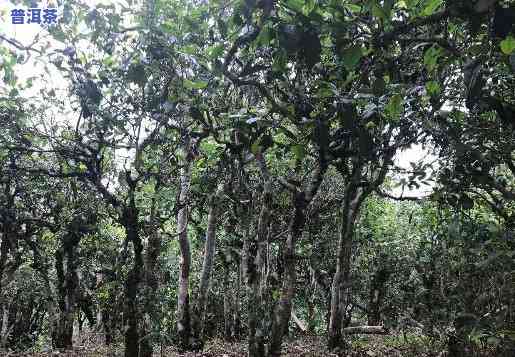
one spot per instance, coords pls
(306, 346)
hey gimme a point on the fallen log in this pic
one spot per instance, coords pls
(375, 330)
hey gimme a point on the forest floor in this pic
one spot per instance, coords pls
(307, 346)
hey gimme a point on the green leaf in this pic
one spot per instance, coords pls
(59, 34)
(279, 61)
(325, 90)
(264, 38)
(431, 57)
(370, 125)
(430, 7)
(13, 93)
(108, 61)
(308, 6)
(255, 148)
(215, 51)
(433, 88)
(394, 108)
(190, 49)
(387, 7)
(299, 151)
(30, 82)
(287, 133)
(296, 5)
(351, 57)
(195, 84)
(353, 7)
(378, 11)
(508, 45)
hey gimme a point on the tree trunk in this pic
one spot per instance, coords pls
(228, 317)
(107, 311)
(249, 272)
(151, 280)
(66, 263)
(51, 303)
(183, 298)
(377, 292)
(207, 265)
(255, 298)
(132, 311)
(106, 324)
(255, 331)
(341, 280)
(4, 249)
(4, 329)
(314, 224)
(99, 277)
(63, 329)
(132, 333)
(236, 331)
(301, 200)
(6, 245)
(311, 303)
(282, 310)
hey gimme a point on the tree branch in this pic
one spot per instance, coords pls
(400, 198)
(20, 46)
(387, 37)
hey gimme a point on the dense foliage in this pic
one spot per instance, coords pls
(213, 169)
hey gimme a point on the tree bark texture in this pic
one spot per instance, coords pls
(151, 280)
(282, 310)
(207, 264)
(341, 280)
(236, 327)
(354, 195)
(377, 293)
(301, 200)
(183, 299)
(256, 269)
(136, 343)
(4, 327)
(66, 264)
(5, 247)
